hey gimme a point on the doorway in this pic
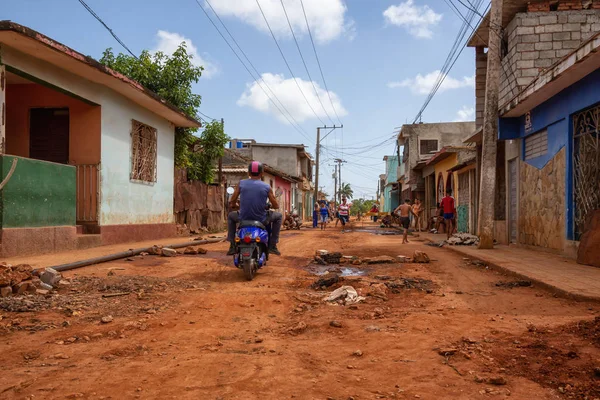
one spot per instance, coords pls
(49, 134)
(512, 199)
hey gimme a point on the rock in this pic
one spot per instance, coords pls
(168, 252)
(60, 356)
(372, 328)
(335, 324)
(107, 319)
(5, 291)
(420, 257)
(380, 260)
(589, 246)
(129, 259)
(320, 253)
(155, 250)
(447, 352)
(20, 288)
(357, 353)
(190, 250)
(378, 312)
(201, 250)
(297, 329)
(402, 259)
(329, 280)
(356, 262)
(259, 340)
(497, 380)
(378, 290)
(50, 277)
(478, 379)
(45, 286)
(320, 261)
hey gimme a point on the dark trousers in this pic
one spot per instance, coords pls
(273, 227)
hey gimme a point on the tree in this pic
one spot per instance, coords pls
(361, 205)
(172, 77)
(346, 190)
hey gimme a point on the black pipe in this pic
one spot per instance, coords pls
(128, 253)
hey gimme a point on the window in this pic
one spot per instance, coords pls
(428, 146)
(536, 145)
(143, 152)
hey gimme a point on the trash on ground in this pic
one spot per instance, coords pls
(463, 239)
(436, 244)
(344, 295)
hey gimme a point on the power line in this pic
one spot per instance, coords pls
(201, 113)
(318, 62)
(291, 118)
(114, 35)
(287, 64)
(304, 62)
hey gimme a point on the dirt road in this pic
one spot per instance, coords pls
(190, 327)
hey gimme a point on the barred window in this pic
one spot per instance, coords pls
(428, 146)
(143, 152)
(536, 145)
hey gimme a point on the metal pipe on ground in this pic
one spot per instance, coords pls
(128, 253)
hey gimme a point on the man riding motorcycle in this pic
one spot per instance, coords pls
(253, 194)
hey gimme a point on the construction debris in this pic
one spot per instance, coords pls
(326, 281)
(379, 260)
(345, 295)
(463, 239)
(19, 280)
(168, 252)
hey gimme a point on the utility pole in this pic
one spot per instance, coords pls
(318, 151)
(490, 130)
(339, 162)
(335, 188)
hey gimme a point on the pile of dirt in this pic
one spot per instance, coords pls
(565, 359)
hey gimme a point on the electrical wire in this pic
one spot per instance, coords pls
(304, 62)
(319, 62)
(295, 124)
(287, 64)
(114, 35)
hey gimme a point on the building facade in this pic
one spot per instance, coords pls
(94, 150)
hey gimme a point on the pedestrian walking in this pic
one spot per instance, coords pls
(324, 215)
(316, 215)
(417, 209)
(344, 213)
(404, 211)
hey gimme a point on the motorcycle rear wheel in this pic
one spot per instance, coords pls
(249, 269)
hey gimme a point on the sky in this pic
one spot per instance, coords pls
(379, 58)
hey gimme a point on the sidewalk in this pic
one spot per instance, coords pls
(561, 275)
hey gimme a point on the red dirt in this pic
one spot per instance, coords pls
(192, 328)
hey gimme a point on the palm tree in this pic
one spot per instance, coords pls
(346, 190)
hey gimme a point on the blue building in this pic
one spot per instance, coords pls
(391, 191)
(551, 131)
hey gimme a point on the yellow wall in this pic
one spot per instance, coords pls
(443, 167)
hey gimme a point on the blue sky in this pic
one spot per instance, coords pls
(379, 58)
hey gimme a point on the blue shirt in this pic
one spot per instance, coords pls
(324, 210)
(253, 200)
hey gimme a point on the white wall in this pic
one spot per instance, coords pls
(122, 201)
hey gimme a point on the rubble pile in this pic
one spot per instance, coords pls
(463, 239)
(21, 279)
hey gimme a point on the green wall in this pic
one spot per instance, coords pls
(39, 193)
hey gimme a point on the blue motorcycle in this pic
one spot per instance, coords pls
(252, 245)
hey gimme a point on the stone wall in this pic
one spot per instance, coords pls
(542, 204)
(536, 40)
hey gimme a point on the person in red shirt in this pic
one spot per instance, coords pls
(449, 208)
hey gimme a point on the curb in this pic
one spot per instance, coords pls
(558, 292)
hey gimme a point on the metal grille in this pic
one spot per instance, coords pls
(143, 152)
(428, 146)
(586, 166)
(88, 178)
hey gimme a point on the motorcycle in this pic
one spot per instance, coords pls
(252, 247)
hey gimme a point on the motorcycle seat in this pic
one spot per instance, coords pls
(248, 224)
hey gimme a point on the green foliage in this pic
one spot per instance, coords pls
(346, 190)
(361, 205)
(208, 148)
(172, 77)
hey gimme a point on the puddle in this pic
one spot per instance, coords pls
(320, 270)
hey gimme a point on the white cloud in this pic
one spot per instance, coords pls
(327, 18)
(416, 20)
(289, 95)
(168, 42)
(422, 84)
(465, 114)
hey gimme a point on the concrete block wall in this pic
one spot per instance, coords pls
(536, 40)
(480, 77)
